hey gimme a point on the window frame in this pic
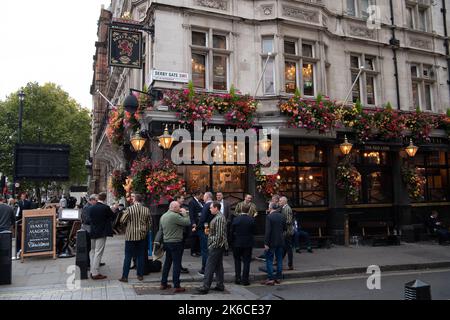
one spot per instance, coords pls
(423, 81)
(416, 16)
(357, 7)
(364, 75)
(264, 56)
(300, 59)
(209, 51)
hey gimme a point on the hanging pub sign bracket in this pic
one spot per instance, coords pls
(126, 43)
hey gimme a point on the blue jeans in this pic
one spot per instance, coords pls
(203, 248)
(134, 249)
(300, 234)
(278, 253)
(174, 253)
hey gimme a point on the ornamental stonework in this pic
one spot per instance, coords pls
(357, 30)
(301, 14)
(213, 4)
(267, 9)
(420, 43)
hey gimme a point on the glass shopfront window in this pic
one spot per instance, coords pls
(303, 175)
(374, 165)
(435, 167)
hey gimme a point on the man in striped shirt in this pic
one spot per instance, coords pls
(217, 244)
(138, 222)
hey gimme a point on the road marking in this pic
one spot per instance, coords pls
(352, 277)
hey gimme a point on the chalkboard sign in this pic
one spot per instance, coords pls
(38, 233)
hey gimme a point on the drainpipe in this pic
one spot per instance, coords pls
(395, 43)
(446, 42)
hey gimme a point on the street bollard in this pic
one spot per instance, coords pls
(82, 258)
(417, 290)
(5, 258)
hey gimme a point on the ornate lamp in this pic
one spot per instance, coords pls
(138, 142)
(411, 150)
(265, 143)
(166, 140)
(346, 147)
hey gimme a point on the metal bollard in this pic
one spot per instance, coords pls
(5, 258)
(417, 290)
(82, 258)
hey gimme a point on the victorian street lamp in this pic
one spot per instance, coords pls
(411, 150)
(265, 143)
(346, 147)
(138, 142)
(166, 140)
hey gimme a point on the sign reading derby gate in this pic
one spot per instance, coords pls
(125, 48)
(38, 233)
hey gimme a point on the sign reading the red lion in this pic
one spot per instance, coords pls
(125, 48)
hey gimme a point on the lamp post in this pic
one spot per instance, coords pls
(21, 100)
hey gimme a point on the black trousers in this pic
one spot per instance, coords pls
(195, 242)
(242, 255)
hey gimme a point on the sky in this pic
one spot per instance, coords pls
(49, 41)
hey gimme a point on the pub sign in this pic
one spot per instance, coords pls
(125, 48)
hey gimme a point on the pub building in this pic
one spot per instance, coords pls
(270, 50)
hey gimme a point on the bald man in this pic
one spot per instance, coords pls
(172, 224)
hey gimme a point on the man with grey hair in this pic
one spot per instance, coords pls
(289, 233)
(172, 224)
(86, 223)
(205, 220)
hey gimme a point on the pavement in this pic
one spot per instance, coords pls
(47, 279)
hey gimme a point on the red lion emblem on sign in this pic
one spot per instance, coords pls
(126, 48)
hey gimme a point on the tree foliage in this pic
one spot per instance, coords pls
(52, 116)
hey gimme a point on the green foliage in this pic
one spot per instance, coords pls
(297, 93)
(389, 106)
(51, 115)
(359, 106)
(448, 112)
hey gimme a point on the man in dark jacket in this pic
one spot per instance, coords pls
(242, 231)
(101, 217)
(7, 219)
(195, 211)
(205, 220)
(274, 242)
(24, 204)
(435, 226)
(86, 222)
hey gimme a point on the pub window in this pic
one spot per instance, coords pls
(435, 167)
(303, 174)
(295, 62)
(365, 88)
(269, 73)
(229, 179)
(422, 87)
(210, 60)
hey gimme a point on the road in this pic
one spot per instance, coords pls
(355, 287)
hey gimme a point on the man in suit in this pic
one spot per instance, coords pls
(248, 201)
(205, 219)
(23, 204)
(7, 219)
(436, 227)
(274, 243)
(225, 210)
(195, 211)
(101, 217)
(86, 222)
(289, 233)
(242, 239)
(138, 222)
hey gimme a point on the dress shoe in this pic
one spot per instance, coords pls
(202, 290)
(277, 281)
(99, 277)
(219, 289)
(269, 282)
(201, 273)
(102, 264)
(310, 250)
(298, 251)
(245, 283)
(140, 278)
(291, 268)
(125, 280)
(237, 281)
(165, 286)
(179, 290)
(184, 270)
